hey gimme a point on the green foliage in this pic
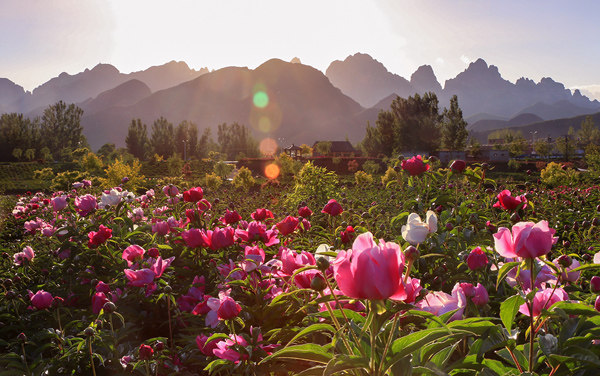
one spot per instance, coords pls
(236, 140)
(554, 175)
(30, 154)
(592, 157)
(63, 181)
(336, 160)
(588, 132)
(162, 140)
(61, 128)
(137, 139)
(474, 147)
(213, 181)
(116, 171)
(91, 163)
(513, 164)
(542, 147)
(17, 153)
(244, 179)
(371, 167)
(454, 127)
(175, 164)
(288, 167)
(44, 174)
(566, 147)
(314, 181)
(363, 178)
(223, 169)
(46, 155)
(186, 139)
(323, 147)
(16, 131)
(390, 175)
(106, 150)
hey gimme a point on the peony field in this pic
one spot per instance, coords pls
(424, 271)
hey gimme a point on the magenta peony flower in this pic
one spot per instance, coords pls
(221, 238)
(194, 238)
(304, 212)
(59, 203)
(193, 195)
(477, 259)
(41, 299)
(527, 240)
(415, 165)
(146, 352)
(370, 270)
(507, 202)
(288, 225)
(228, 309)
(333, 208)
(99, 237)
(262, 214)
(231, 217)
(458, 166)
(170, 190)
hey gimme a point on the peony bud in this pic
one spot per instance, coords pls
(318, 283)
(411, 253)
(595, 284)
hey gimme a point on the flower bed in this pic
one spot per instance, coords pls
(433, 273)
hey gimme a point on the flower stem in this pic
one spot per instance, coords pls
(374, 368)
(91, 356)
(170, 325)
(531, 317)
(25, 357)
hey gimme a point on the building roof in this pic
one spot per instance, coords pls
(292, 147)
(339, 147)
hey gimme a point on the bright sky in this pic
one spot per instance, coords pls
(39, 39)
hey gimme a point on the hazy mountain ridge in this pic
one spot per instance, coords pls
(305, 103)
(89, 84)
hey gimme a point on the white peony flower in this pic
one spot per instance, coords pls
(415, 231)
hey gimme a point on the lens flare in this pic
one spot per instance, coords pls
(272, 171)
(264, 124)
(268, 146)
(260, 99)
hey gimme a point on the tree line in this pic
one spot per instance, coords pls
(57, 136)
(416, 124)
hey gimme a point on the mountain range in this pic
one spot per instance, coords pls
(304, 104)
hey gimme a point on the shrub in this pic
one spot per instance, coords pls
(63, 180)
(243, 179)
(513, 164)
(390, 175)
(288, 167)
(371, 167)
(554, 175)
(223, 169)
(336, 160)
(363, 178)
(118, 170)
(313, 181)
(353, 165)
(90, 162)
(213, 181)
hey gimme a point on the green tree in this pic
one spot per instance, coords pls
(454, 127)
(323, 147)
(19, 132)
(418, 122)
(137, 139)
(588, 132)
(474, 147)
(186, 139)
(542, 147)
(17, 153)
(205, 144)
(106, 150)
(162, 140)
(61, 127)
(30, 154)
(236, 141)
(565, 146)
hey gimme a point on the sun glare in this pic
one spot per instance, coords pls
(272, 171)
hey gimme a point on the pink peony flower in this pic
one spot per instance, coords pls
(85, 204)
(527, 240)
(415, 165)
(370, 270)
(27, 254)
(438, 303)
(288, 225)
(193, 195)
(132, 253)
(59, 203)
(544, 299)
(262, 214)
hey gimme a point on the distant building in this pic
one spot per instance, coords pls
(413, 153)
(489, 154)
(293, 151)
(446, 156)
(338, 149)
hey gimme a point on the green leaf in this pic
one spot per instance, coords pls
(346, 362)
(574, 309)
(406, 345)
(311, 329)
(504, 271)
(585, 267)
(309, 352)
(475, 325)
(509, 309)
